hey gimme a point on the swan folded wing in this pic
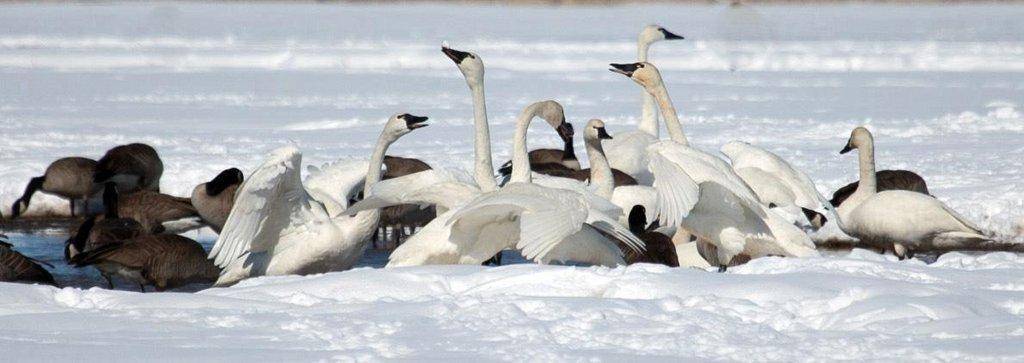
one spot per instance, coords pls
(265, 204)
(960, 218)
(334, 184)
(677, 193)
(719, 206)
(445, 189)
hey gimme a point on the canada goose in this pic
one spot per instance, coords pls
(99, 230)
(544, 224)
(213, 199)
(905, 221)
(69, 178)
(583, 175)
(885, 180)
(702, 194)
(627, 152)
(406, 215)
(132, 167)
(158, 213)
(777, 182)
(659, 247)
(278, 226)
(562, 160)
(16, 267)
(165, 261)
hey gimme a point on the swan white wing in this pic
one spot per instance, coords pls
(587, 246)
(721, 212)
(582, 188)
(335, 183)
(627, 152)
(444, 188)
(745, 155)
(545, 216)
(608, 225)
(267, 203)
(628, 196)
(677, 192)
(702, 167)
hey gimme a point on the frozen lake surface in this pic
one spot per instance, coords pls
(218, 86)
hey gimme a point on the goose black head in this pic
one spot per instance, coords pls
(224, 180)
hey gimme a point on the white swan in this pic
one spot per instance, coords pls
(280, 227)
(777, 182)
(904, 221)
(545, 224)
(682, 167)
(627, 151)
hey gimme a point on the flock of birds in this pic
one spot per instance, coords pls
(643, 199)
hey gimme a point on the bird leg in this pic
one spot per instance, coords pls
(72, 202)
(722, 268)
(110, 283)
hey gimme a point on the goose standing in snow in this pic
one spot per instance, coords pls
(701, 193)
(213, 200)
(69, 178)
(545, 224)
(165, 261)
(16, 267)
(904, 221)
(278, 226)
(132, 166)
(627, 152)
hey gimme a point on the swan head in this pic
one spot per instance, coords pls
(224, 180)
(654, 33)
(595, 130)
(860, 137)
(403, 123)
(553, 113)
(470, 64)
(643, 73)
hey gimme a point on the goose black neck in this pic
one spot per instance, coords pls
(110, 200)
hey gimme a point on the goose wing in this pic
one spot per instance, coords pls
(447, 189)
(268, 203)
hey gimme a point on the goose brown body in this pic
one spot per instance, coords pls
(163, 261)
(132, 166)
(15, 267)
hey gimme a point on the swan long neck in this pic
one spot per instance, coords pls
(483, 168)
(866, 158)
(649, 115)
(373, 175)
(520, 157)
(675, 128)
(600, 171)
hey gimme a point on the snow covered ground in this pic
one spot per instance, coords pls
(216, 86)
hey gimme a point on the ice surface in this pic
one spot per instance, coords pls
(218, 86)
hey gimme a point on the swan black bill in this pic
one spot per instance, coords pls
(455, 55)
(670, 35)
(845, 149)
(624, 69)
(414, 122)
(565, 131)
(603, 134)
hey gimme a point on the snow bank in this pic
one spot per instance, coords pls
(857, 307)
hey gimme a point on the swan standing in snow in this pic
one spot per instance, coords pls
(628, 150)
(545, 224)
(701, 193)
(905, 221)
(278, 226)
